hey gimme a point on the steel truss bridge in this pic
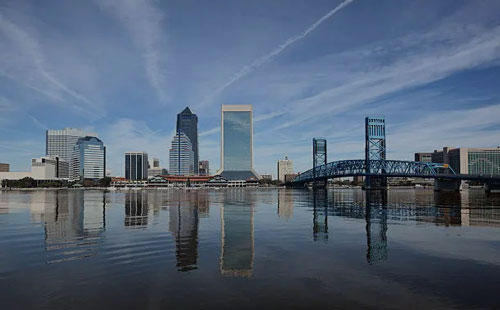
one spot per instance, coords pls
(376, 168)
(386, 168)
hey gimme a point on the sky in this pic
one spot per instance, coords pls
(125, 68)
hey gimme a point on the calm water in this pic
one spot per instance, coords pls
(248, 248)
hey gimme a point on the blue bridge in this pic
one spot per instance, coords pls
(375, 168)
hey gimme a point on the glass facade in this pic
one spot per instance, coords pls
(61, 142)
(181, 156)
(237, 138)
(484, 161)
(187, 123)
(89, 159)
(136, 166)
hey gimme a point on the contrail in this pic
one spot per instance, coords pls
(260, 61)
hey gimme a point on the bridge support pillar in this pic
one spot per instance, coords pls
(447, 185)
(375, 183)
(492, 187)
(319, 184)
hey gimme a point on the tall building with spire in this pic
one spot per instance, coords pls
(187, 123)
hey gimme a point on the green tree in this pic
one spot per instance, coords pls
(105, 182)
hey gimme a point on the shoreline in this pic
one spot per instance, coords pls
(124, 189)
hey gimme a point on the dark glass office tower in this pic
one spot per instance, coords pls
(187, 123)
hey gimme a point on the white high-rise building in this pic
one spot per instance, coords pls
(181, 157)
(285, 166)
(61, 142)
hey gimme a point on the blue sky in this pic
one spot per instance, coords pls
(310, 68)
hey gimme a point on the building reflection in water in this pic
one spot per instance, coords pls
(285, 204)
(320, 215)
(376, 226)
(136, 209)
(183, 224)
(237, 229)
(73, 222)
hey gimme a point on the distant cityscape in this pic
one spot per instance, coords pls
(76, 156)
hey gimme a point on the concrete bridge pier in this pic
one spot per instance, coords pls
(320, 184)
(447, 185)
(492, 187)
(375, 183)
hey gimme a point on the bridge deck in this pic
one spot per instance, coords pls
(387, 168)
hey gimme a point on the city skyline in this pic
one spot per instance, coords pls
(312, 74)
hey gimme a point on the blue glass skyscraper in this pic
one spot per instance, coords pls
(89, 159)
(187, 123)
(237, 143)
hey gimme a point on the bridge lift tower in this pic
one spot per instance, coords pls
(375, 149)
(319, 158)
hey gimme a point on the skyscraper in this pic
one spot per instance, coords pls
(285, 166)
(61, 142)
(89, 159)
(181, 157)
(237, 142)
(136, 166)
(187, 123)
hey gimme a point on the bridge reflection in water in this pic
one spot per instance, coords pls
(75, 222)
(378, 207)
(374, 211)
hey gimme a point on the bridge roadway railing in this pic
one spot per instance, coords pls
(387, 168)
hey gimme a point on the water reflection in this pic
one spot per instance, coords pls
(376, 226)
(73, 223)
(183, 224)
(237, 230)
(401, 248)
(320, 215)
(136, 209)
(285, 204)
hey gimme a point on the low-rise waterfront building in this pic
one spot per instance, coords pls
(203, 167)
(46, 168)
(423, 157)
(482, 161)
(266, 176)
(49, 168)
(289, 177)
(4, 167)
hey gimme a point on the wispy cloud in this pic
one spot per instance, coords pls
(246, 70)
(411, 71)
(144, 21)
(23, 61)
(210, 132)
